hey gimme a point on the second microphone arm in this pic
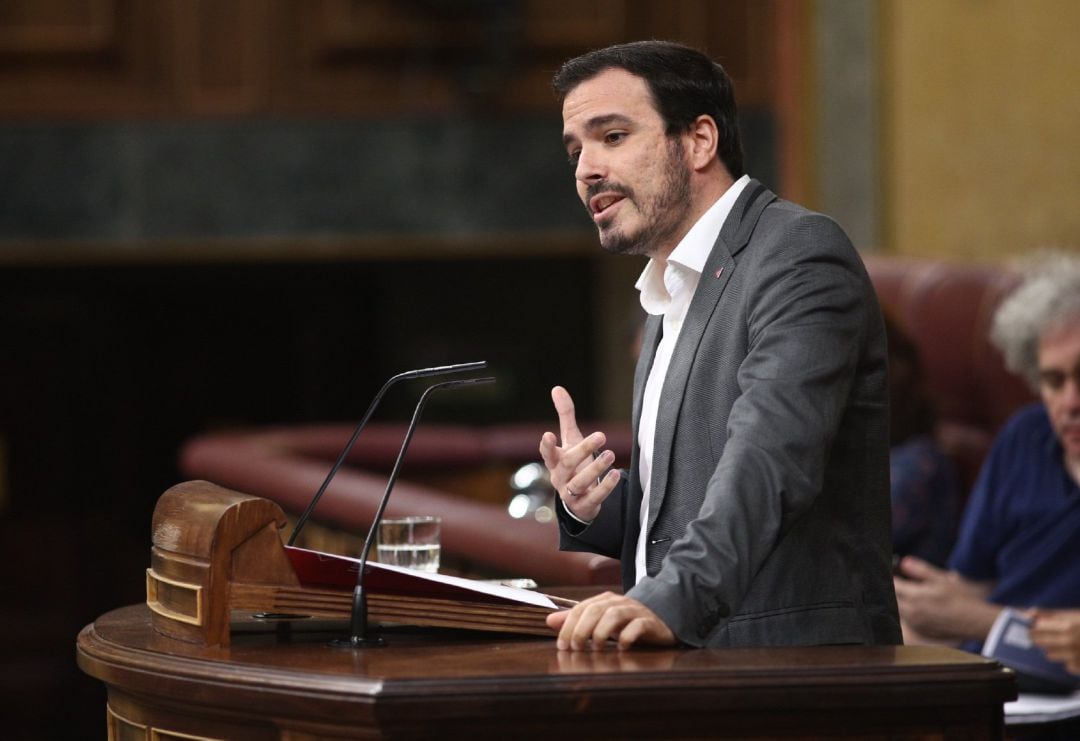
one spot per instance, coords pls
(359, 635)
(439, 370)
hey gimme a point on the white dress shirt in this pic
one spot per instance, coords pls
(666, 290)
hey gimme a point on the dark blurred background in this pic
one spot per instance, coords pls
(220, 213)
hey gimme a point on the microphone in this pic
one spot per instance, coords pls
(438, 370)
(359, 637)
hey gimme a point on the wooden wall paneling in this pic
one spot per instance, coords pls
(739, 35)
(553, 32)
(793, 101)
(353, 58)
(414, 56)
(56, 25)
(222, 55)
(574, 26)
(401, 56)
(72, 58)
(757, 77)
(340, 57)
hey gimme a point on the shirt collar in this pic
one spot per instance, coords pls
(694, 249)
(691, 253)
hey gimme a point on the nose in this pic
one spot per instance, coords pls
(590, 166)
(1070, 392)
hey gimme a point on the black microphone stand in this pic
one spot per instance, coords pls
(358, 622)
(419, 373)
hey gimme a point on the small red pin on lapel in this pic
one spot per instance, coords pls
(718, 272)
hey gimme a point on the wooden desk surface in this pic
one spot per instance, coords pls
(439, 684)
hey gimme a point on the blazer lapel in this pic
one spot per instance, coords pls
(650, 340)
(733, 237)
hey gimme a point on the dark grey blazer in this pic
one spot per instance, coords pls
(769, 515)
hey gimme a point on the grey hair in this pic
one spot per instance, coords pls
(1047, 299)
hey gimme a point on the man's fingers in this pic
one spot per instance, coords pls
(915, 568)
(572, 621)
(566, 623)
(629, 623)
(609, 621)
(1058, 654)
(548, 453)
(580, 476)
(1052, 634)
(586, 504)
(906, 589)
(555, 620)
(564, 407)
(581, 635)
(566, 631)
(574, 456)
(648, 629)
(1049, 622)
(589, 471)
(595, 621)
(572, 459)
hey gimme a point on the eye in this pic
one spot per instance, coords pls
(572, 157)
(1052, 380)
(614, 137)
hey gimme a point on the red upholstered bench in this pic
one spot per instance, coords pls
(947, 309)
(288, 464)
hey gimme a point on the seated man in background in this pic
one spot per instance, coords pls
(1019, 541)
(925, 488)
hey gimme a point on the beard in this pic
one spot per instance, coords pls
(663, 215)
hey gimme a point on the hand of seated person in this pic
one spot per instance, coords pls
(939, 605)
(1057, 633)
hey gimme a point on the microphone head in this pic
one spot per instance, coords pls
(440, 370)
(463, 382)
(434, 371)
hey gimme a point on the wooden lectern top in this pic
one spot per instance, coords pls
(187, 665)
(432, 683)
(218, 552)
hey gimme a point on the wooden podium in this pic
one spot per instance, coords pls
(284, 680)
(217, 552)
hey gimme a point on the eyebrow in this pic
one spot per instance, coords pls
(597, 122)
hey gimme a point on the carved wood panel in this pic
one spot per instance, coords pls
(221, 52)
(101, 58)
(423, 55)
(431, 55)
(86, 56)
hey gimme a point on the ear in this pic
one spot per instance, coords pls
(702, 140)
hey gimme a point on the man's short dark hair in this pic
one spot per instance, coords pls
(683, 82)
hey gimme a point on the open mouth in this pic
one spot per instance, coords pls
(598, 205)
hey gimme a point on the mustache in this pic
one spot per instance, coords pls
(606, 186)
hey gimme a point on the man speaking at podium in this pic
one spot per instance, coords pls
(755, 511)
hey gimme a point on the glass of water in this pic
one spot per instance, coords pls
(411, 542)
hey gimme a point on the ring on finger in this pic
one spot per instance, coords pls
(572, 493)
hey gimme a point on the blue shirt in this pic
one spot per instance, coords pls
(1021, 527)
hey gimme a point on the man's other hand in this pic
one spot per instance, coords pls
(593, 622)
